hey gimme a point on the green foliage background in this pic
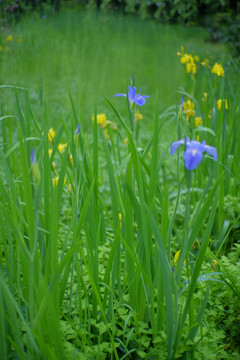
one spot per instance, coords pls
(221, 18)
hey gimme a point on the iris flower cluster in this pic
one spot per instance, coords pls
(193, 154)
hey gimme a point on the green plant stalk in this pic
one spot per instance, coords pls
(115, 196)
(220, 133)
(154, 162)
(129, 235)
(169, 286)
(30, 223)
(213, 195)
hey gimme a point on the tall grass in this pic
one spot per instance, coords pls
(52, 275)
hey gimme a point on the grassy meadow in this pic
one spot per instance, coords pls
(92, 56)
(120, 216)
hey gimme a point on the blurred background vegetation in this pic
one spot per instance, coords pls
(221, 18)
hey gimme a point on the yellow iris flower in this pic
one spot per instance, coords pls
(101, 119)
(189, 61)
(217, 69)
(185, 59)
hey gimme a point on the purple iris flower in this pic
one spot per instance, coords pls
(133, 97)
(78, 129)
(193, 153)
(33, 157)
(182, 101)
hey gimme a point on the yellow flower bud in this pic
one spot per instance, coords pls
(70, 158)
(198, 121)
(51, 135)
(176, 256)
(55, 181)
(219, 104)
(194, 69)
(50, 152)
(138, 116)
(120, 219)
(215, 262)
(61, 147)
(226, 104)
